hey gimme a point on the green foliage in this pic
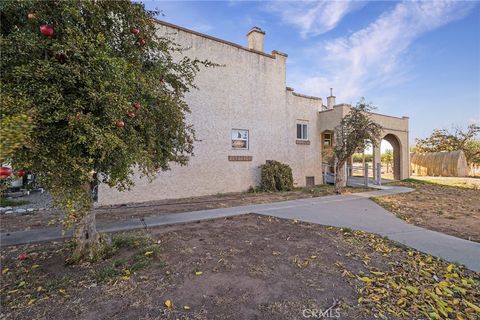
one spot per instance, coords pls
(387, 157)
(14, 129)
(358, 157)
(5, 202)
(443, 140)
(107, 273)
(123, 240)
(140, 259)
(276, 176)
(74, 87)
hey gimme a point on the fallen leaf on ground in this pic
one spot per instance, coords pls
(148, 254)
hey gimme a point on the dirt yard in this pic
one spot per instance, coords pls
(246, 267)
(48, 218)
(448, 205)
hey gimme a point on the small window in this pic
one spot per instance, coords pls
(327, 139)
(302, 131)
(239, 139)
(310, 181)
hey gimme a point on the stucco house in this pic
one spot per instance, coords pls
(243, 115)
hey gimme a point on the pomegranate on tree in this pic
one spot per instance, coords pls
(61, 57)
(135, 31)
(120, 124)
(136, 105)
(131, 114)
(46, 30)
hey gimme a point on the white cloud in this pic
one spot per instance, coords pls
(377, 55)
(313, 17)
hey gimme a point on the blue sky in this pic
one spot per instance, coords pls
(418, 59)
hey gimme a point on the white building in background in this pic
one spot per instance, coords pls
(244, 114)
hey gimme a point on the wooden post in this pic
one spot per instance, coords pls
(366, 174)
(379, 174)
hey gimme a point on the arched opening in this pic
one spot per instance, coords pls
(327, 151)
(391, 162)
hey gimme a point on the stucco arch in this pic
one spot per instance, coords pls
(397, 153)
(399, 142)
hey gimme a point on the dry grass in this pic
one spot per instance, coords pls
(450, 206)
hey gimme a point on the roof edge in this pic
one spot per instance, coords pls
(171, 25)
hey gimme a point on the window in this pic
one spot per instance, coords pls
(302, 131)
(239, 139)
(327, 139)
(310, 181)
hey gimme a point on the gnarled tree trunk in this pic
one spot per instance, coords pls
(89, 244)
(86, 238)
(340, 179)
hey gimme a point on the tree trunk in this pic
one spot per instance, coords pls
(89, 244)
(86, 238)
(340, 181)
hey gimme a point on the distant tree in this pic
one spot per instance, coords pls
(387, 158)
(355, 132)
(443, 140)
(358, 157)
(104, 95)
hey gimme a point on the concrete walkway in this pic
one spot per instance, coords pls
(354, 211)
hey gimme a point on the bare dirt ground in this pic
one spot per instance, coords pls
(48, 218)
(448, 205)
(246, 267)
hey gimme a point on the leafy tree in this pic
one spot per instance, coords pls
(104, 93)
(355, 132)
(358, 157)
(387, 157)
(443, 140)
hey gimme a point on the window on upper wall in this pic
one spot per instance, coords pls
(302, 131)
(327, 139)
(239, 139)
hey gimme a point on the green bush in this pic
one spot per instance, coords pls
(276, 176)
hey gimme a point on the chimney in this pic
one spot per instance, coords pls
(255, 39)
(330, 100)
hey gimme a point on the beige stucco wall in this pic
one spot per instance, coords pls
(249, 92)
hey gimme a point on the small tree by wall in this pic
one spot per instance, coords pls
(355, 132)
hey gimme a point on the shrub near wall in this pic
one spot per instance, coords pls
(276, 176)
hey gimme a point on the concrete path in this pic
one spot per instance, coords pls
(354, 211)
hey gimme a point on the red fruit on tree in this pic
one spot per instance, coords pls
(131, 114)
(21, 173)
(5, 172)
(135, 31)
(31, 16)
(22, 256)
(136, 105)
(46, 30)
(61, 57)
(120, 124)
(141, 42)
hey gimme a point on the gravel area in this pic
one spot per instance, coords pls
(37, 201)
